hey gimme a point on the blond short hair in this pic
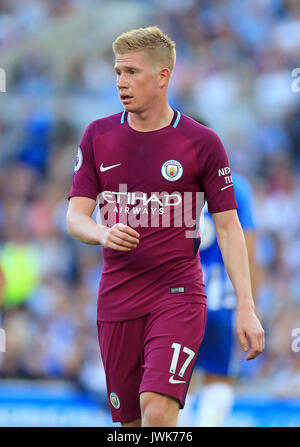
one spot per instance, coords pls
(152, 41)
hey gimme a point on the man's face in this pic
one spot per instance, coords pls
(137, 81)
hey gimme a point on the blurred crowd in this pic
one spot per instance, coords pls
(234, 70)
(19, 19)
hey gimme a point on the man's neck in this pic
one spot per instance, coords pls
(151, 120)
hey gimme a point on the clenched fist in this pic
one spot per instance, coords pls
(120, 237)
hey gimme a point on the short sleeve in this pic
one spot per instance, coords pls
(216, 179)
(85, 182)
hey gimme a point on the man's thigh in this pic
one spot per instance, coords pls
(152, 353)
(173, 335)
(121, 346)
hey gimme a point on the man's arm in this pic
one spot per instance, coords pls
(82, 226)
(232, 244)
(250, 238)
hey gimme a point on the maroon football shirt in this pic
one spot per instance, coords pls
(152, 181)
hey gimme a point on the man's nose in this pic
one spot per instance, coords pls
(122, 81)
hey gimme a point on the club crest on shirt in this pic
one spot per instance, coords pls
(172, 170)
(114, 400)
(78, 161)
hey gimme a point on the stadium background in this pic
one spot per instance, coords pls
(234, 69)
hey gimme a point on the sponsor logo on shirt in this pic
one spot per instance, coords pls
(155, 209)
(131, 198)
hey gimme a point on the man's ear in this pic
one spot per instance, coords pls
(164, 77)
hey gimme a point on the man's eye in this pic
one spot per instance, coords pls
(132, 71)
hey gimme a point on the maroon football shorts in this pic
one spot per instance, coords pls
(156, 352)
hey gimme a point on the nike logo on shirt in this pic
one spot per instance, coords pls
(103, 169)
(172, 380)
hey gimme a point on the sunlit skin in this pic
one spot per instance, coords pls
(142, 87)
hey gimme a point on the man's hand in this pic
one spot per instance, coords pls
(249, 329)
(120, 237)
